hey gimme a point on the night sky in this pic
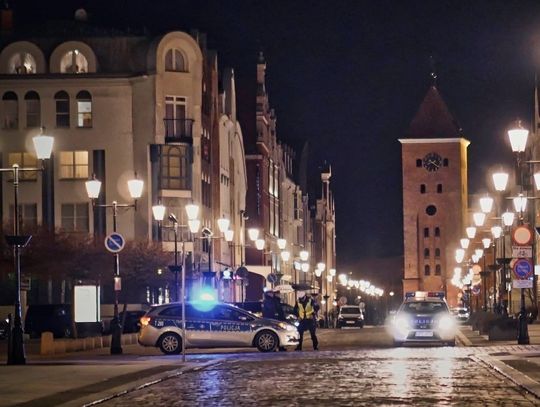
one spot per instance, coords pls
(349, 76)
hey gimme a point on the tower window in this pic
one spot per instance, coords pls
(439, 188)
(438, 270)
(427, 270)
(426, 252)
(423, 188)
(426, 232)
(437, 253)
(418, 162)
(437, 231)
(445, 162)
(431, 210)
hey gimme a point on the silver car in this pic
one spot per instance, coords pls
(212, 326)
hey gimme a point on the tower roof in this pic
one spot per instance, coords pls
(433, 119)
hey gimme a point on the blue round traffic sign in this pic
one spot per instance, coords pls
(523, 269)
(114, 242)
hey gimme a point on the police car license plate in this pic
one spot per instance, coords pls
(424, 334)
(350, 322)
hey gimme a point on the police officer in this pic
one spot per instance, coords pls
(306, 309)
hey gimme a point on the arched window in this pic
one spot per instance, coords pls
(437, 253)
(22, 63)
(33, 109)
(427, 270)
(439, 188)
(426, 252)
(426, 232)
(10, 110)
(175, 61)
(175, 168)
(418, 162)
(445, 162)
(437, 232)
(438, 270)
(422, 188)
(84, 109)
(61, 100)
(74, 62)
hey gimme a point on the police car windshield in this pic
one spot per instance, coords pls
(350, 310)
(424, 307)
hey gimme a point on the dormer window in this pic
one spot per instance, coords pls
(73, 62)
(22, 63)
(175, 61)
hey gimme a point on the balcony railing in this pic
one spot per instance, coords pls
(178, 130)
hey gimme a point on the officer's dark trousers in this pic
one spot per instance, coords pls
(307, 324)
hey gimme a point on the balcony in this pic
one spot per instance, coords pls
(178, 130)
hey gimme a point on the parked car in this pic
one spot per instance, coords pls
(461, 314)
(212, 326)
(55, 318)
(4, 328)
(131, 323)
(350, 315)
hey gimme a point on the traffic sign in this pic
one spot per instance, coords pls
(114, 242)
(522, 235)
(521, 252)
(272, 278)
(523, 269)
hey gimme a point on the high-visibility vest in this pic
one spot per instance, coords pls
(305, 312)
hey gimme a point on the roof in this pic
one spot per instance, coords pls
(433, 119)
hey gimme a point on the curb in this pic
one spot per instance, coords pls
(155, 379)
(463, 339)
(515, 376)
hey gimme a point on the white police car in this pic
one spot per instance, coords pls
(424, 317)
(212, 325)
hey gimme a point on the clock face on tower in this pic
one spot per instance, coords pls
(432, 162)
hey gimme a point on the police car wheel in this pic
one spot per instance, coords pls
(266, 341)
(397, 344)
(170, 343)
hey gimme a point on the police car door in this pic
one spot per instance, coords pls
(198, 327)
(232, 327)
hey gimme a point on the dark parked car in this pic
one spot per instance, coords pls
(131, 324)
(55, 318)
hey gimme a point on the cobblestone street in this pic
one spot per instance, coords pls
(400, 376)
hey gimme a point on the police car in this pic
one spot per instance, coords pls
(424, 317)
(212, 325)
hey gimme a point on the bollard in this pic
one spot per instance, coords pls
(47, 343)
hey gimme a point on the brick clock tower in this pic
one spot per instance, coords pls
(434, 162)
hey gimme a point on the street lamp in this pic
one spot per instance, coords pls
(43, 146)
(135, 187)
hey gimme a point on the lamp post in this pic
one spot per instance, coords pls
(518, 141)
(43, 145)
(500, 182)
(192, 212)
(93, 188)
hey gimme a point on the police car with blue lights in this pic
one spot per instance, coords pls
(424, 317)
(212, 325)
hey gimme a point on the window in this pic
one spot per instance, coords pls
(75, 217)
(84, 109)
(445, 162)
(431, 210)
(423, 188)
(439, 188)
(22, 63)
(175, 61)
(437, 232)
(175, 172)
(73, 164)
(427, 270)
(437, 253)
(33, 109)
(10, 107)
(418, 162)
(426, 232)
(172, 312)
(73, 62)
(176, 124)
(24, 160)
(229, 314)
(62, 109)
(426, 252)
(438, 270)
(206, 190)
(27, 216)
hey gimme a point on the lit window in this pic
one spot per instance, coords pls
(62, 109)
(175, 61)
(84, 109)
(10, 110)
(22, 63)
(33, 109)
(175, 172)
(75, 217)
(23, 160)
(73, 62)
(74, 164)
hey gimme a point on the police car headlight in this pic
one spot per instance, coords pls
(286, 327)
(446, 323)
(401, 322)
